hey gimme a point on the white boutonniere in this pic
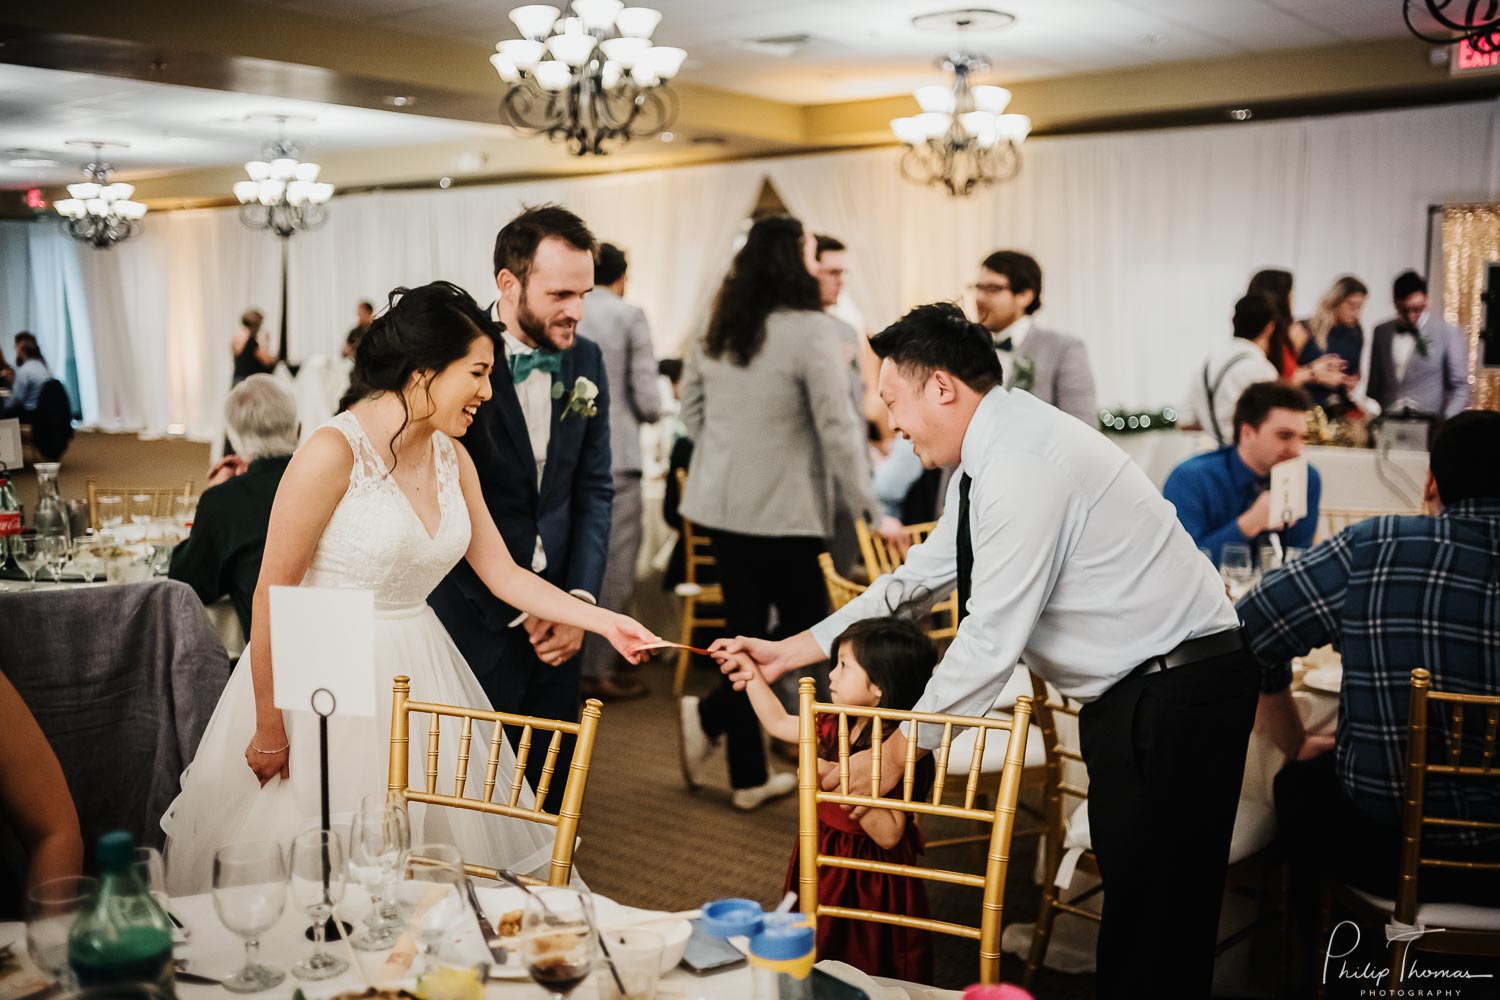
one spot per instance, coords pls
(583, 399)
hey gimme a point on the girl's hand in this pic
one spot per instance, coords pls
(627, 636)
(277, 762)
(739, 667)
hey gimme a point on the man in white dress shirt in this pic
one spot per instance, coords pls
(1232, 368)
(1064, 552)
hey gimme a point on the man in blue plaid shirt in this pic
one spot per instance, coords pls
(1392, 593)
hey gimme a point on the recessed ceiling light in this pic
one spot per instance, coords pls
(667, 137)
(1241, 114)
(30, 161)
(445, 182)
(400, 100)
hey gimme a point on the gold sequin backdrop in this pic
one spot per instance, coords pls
(1471, 239)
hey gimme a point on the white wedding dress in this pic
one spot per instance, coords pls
(373, 541)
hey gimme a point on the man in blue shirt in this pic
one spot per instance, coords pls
(31, 375)
(1221, 496)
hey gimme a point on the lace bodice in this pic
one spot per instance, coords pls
(375, 540)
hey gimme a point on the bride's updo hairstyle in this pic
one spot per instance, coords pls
(423, 329)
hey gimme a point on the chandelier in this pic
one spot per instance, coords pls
(963, 139)
(1477, 21)
(283, 195)
(98, 212)
(587, 78)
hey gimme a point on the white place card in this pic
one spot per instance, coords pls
(1289, 491)
(10, 444)
(323, 637)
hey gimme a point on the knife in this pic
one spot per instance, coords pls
(498, 951)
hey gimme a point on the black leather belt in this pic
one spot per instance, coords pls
(1195, 650)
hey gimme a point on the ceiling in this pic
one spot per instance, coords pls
(857, 49)
(170, 128)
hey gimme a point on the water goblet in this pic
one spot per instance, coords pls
(51, 908)
(111, 511)
(379, 844)
(249, 895)
(142, 508)
(318, 879)
(1235, 567)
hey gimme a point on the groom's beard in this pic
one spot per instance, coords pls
(532, 325)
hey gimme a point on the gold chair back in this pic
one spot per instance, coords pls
(1000, 815)
(696, 595)
(880, 559)
(161, 497)
(841, 589)
(565, 821)
(1332, 520)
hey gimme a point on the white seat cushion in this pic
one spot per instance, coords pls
(1451, 916)
(962, 750)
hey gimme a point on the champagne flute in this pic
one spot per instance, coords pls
(379, 844)
(185, 510)
(26, 550)
(435, 892)
(249, 895)
(55, 555)
(111, 511)
(1235, 567)
(142, 508)
(318, 879)
(51, 908)
(558, 940)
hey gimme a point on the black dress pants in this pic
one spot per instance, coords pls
(759, 573)
(1166, 757)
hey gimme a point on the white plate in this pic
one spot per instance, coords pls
(499, 900)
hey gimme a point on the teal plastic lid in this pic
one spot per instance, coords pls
(116, 850)
(783, 937)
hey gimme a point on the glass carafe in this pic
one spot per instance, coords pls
(51, 516)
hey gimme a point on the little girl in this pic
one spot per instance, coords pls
(886, 663)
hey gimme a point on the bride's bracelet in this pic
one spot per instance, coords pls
(268, 752)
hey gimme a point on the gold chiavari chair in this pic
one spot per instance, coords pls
(841, 589)
(1466, 930)
(1000, 816)
(565, 821)
(1332, 520)
(880, 559)
(161, 497)
(697, 596)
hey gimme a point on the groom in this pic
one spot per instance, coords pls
(541, 447)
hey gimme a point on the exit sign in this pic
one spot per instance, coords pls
(1468, 59)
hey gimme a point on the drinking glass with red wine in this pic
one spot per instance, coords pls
(558, 939)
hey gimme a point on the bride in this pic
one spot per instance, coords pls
(380, 498)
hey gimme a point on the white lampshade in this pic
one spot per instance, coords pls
(909, 131)
(975, 123)
(572, 50)
(570, 26)
(97, 206)
(991, 99)
(1013, 128)
(246, 191)
(988, 137)
(643, 76)
(553, 75)
(637, 22)
(933, 124)
(664, 60)
(523, 53)
(297, 192)
(307, 172)
(258, 170)
(320, 192)
(534, 20)
(625, 51)
(86, 191)
(70, 208)
(117, 192)
(936, 99)
(131, 210)
(283, 168)
(271, 191)
(609, 76)
(505, 68)
(597, 15)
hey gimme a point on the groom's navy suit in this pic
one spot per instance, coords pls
(570, 511)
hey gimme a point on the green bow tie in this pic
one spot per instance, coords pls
(542, 359)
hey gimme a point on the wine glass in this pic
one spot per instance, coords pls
(184, 511)
(111, 511)
(26, 550)
(51, 908)
(142, 508)
(249, 895)
(318, 879)
(434, 894)
(55, 555)
(558, 942)
(86, 559)
(162, 536)
(1235, 567)
(379, 844)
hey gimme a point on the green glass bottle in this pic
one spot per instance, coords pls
(126, 937)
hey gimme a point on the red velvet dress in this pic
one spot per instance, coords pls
(876, 949)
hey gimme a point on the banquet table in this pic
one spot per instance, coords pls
(212, 950)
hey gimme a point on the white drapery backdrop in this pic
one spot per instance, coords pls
(1145, 238)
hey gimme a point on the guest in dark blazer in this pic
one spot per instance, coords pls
(1418, 360)
(541, 447)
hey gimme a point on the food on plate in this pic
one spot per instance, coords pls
(509, 925)
(449, 983)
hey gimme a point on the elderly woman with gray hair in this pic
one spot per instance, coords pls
(222, 555)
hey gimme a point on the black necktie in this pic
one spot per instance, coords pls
(965, 547)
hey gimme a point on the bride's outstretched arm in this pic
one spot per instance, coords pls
(527, 591)
(311, 487)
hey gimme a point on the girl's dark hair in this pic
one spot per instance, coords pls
(1276, 285)
(898, 656)
(426, 328)
(768, 273)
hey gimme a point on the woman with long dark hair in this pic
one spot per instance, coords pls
(777, 449)
(1291, 335)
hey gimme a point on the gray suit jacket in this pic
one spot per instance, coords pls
(620, 330)
(1059, 373)
(1437, 384)
(776, 442)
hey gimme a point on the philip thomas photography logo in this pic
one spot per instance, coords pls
(1423, 974)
